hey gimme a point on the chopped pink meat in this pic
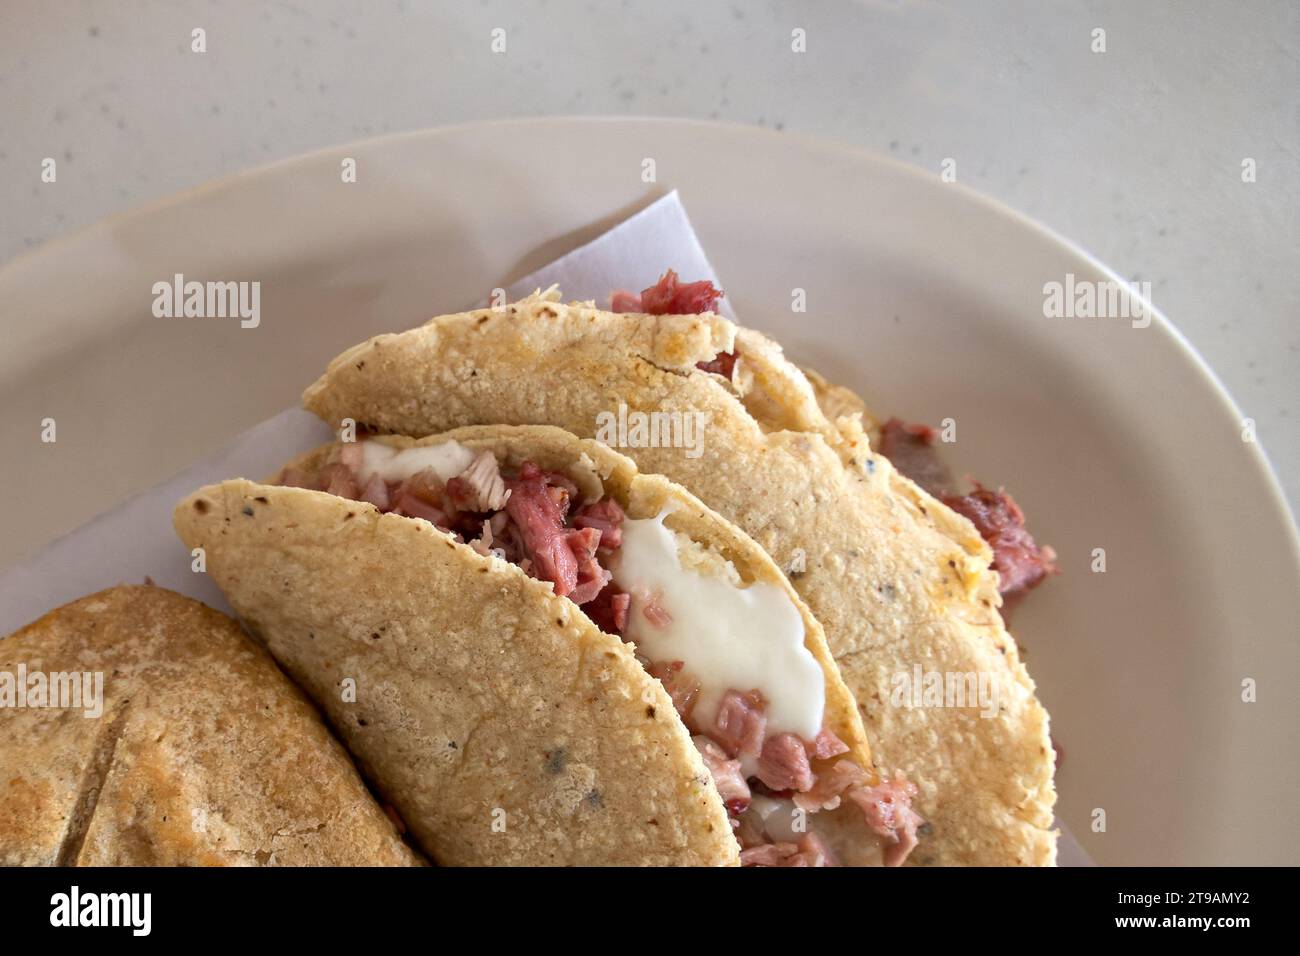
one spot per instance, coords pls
(606, 517)
(653, 611)
(826, 792)
(592, 578)
(741, 723)
(769, 854)
(815, 851)
(668, 296)
(910, 448)
(809, 851)
(724, 364)
(540, 521)
(376, 492)
(531, 531)
(783, 763)
(337, 479)
(887, 807)
(1021, 564)
(827, 745)
(748, 829)
(608, 610)
(483, 543)
(620, 301)
(412, 506)
(727, 775)
(560, 497)
(424, 485)
(561, 487)
(419, 496)
(681, 687)
(506, 538)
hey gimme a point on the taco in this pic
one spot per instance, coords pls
(541, 656)
(901, 582)
(141, 728)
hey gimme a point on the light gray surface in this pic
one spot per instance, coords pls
(1134, 153)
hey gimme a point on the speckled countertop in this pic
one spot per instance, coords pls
(1139, 162)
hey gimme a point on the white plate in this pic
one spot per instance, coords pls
(924, 296)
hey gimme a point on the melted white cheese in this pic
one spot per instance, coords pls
(396, 464)
(728, 637)
(778, 816)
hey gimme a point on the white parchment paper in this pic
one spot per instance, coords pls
(135, 539)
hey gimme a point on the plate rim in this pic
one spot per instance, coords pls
(1186, 351)
(919, 195)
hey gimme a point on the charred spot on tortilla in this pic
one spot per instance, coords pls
(556, 761)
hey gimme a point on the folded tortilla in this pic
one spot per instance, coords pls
(900, 582)
(837, 401)
(198, 752)
(500, 721)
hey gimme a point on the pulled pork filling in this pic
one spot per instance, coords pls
(668, 296)
(1022, 564)
(771, 782)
